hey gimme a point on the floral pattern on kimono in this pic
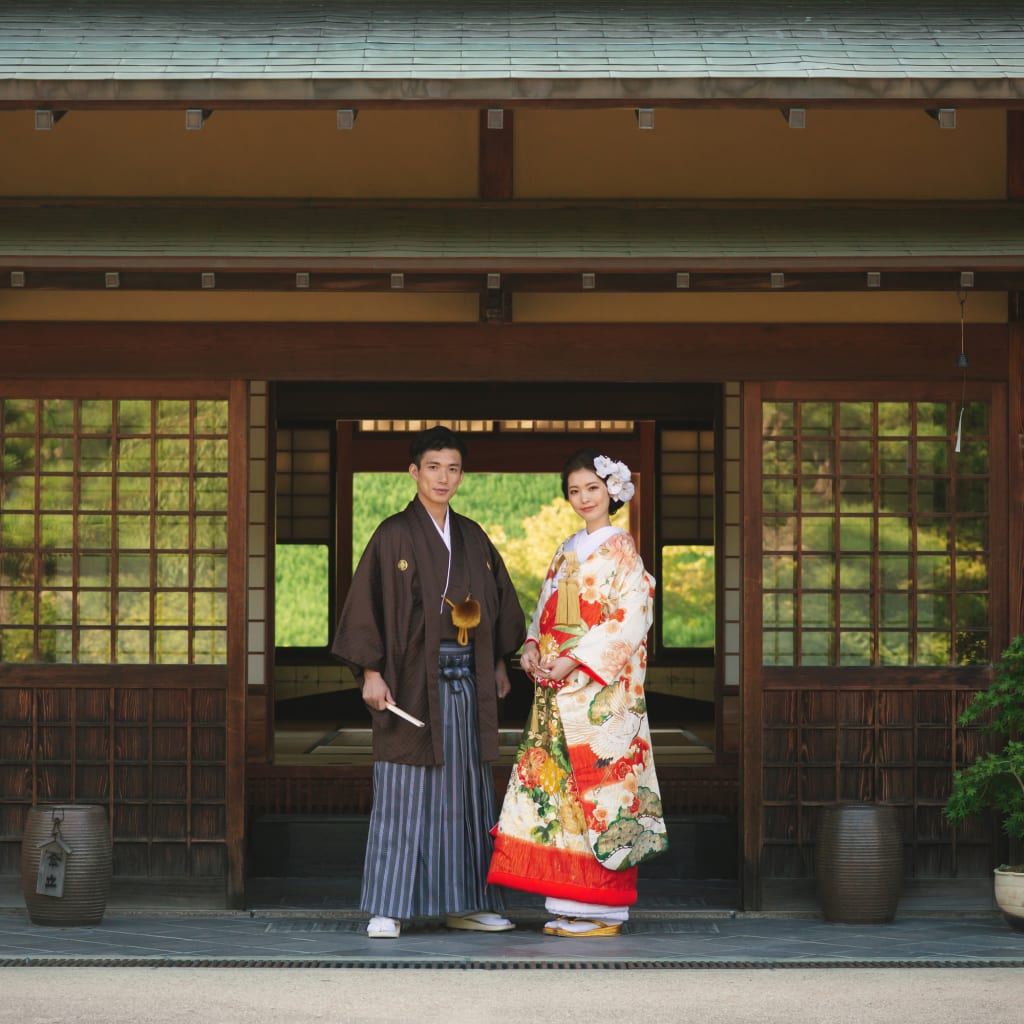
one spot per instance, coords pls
(584, 781)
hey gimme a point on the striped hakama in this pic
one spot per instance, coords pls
(429, 845)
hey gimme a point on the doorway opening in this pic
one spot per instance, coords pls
(340, 458)
(337, 478)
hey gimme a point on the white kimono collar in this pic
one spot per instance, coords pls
(446, 533)
(585, 544)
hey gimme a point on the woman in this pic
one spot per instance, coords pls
(583, 807)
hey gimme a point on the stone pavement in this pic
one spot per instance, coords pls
(668, 940)
(315, 923)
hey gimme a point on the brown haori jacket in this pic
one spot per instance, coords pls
(392, 623)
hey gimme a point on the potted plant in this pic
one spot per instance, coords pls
(995, 781)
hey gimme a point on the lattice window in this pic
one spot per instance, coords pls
(412, 426)
(113, 531)
(568, 426)
(304, 475)
(507, 426)
(304, 485)
(875, 533)
(686, 538)
(686, 486)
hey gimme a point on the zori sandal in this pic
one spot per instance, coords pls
(383, 928)
(479, 921)
(584, 928)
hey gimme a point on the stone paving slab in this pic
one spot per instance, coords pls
(284, 939)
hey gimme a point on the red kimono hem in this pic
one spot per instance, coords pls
(563, 891)
(522, 865)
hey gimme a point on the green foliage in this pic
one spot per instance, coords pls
(1001, 706)
(301, 586)
(523, 514)
(995, 781)
(688, 596)
(61, 464)
(526, 517)
(816, 458)
(842, 570)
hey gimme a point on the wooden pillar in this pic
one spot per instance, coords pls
(1015, 460)
(496, 172)
(495, 181)
(751, 708)
(238, 648)
(1015, 154)
(1015, 395)
(343, 470)
(646, 514)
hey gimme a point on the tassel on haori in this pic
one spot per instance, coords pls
(567, 607)
(465, 616)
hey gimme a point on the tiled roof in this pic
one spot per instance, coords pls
(543, 236)
(305, 48)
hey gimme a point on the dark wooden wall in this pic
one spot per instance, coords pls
(149, 745)
(346, 789)
(814, 737)
(895, 745)
(69, 736)
(160, 747)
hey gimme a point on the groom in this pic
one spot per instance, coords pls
(426, 627)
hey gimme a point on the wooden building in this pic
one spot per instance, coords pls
(772, 253)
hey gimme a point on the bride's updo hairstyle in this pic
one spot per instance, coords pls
(587, 458)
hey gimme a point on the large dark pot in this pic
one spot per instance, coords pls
(86, 869)
(859, 863)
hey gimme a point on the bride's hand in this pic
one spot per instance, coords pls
(529, 660)
(558, 670)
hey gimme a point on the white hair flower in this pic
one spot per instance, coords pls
(616, 477)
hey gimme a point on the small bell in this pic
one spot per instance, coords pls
(961, 361)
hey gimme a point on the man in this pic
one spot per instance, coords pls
(427, 624)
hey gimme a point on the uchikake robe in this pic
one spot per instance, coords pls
(392, 623)
(583, 806)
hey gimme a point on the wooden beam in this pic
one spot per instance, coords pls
(230, 276)
(303, 402)
(497, 453)
(142, 677)
(473, 352)
(67, 387)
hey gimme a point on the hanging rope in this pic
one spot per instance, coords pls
(962, 364)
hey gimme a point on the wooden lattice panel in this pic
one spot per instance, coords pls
(897, 747)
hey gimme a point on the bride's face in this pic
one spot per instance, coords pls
(589, 498)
